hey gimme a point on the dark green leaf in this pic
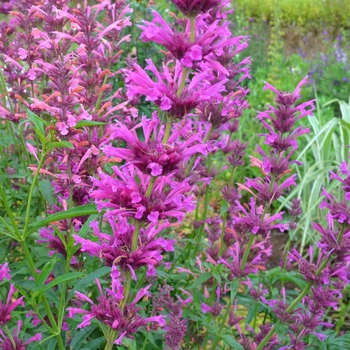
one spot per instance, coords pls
(45, 272)
(88, 280)
(234, 289)
(82, 123)
(232, 342)
(200, 280)
(81, 336)
(46, 190)
(62, 144)
(63, 278)
(84, 210)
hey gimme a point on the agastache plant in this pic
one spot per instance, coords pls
(124, 165)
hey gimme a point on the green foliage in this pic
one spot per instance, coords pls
(304, 13)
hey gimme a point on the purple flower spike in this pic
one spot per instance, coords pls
(107, 310)
(9, 306)
(164, 91)
(116, 249)
(4, 272)
(126, 197)
(192, 8)
(6, 343)
(151, 156)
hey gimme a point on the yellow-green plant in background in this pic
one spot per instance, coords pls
(304, 13)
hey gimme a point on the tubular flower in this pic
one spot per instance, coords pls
(9, 306)
(108, 309)
(151, 156)
(6, 343)
(164, 92)
(122, 195)
(116, 249)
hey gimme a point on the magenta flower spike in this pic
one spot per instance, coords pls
(126, 197)
(194, 7)
(9, 306)
(108, 309)
(164, 91)
(4, 272)
(6, 343)
(151, 156)
(116, 250)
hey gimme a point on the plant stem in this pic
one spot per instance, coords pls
(167, 130)
(204, 216)
(193, 29)
(54, 329)
(29, 201)
(110, 340)
(247, 251)
(223, 322)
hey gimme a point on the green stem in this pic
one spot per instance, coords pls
(223, 322)
(9, 334)
(54, 329)
(182, 82)
(247, 251)
(111, 339)
(135, 236)
(193, 29)
(9, 213)
(30, 196)
(127, 287)
(204, 216)
(150, 187)
(169, 124)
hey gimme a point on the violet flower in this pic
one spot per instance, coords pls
(126, 321)
(151, 156)
(192, 8)
(6, 343)
(116, 249)
(126, 197)
(4, 272)
(9, 306)
(164, 92)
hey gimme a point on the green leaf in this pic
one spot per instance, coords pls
(61, 144)
(232, 342)
(63, 278)
(81, 336)
(45, 272)
(223, 208)
(130, 343)
(84, 210)
(200, 280)
(46, 190)
(88, 280)
(37, 121)
(85, 228)
(234, 289)
(82, 123)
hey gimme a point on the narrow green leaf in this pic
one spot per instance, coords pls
(61, 144)
(85, 228)
(88, 280)
(81, 336)
(63, 278)
(46, 190)
(45, 272)
(82, 123)
(234, 289)
(37, 121)
(232, 342)
(84, 210)
(200, 280)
